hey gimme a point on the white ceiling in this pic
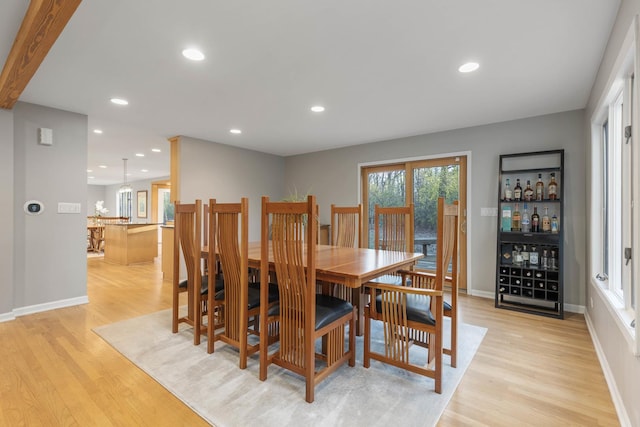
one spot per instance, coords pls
(383, 69)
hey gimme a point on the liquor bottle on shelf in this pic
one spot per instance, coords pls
(544, 259)
(506, 218)
(528, 192)
(533, 257)
(553, 261)
(535, 220)
(554, 223)
(516, 224)
(517, 259)
(517, 191)
(525, 256)
(546, 222)
(516, 256)
(525, 222)
(552, 188)
(508, 194)
(539, 188)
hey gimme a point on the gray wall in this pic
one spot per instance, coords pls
(6, 214)
(333, 176)
(621, 367)
(95, 193)
(227, 173)
(49, 249)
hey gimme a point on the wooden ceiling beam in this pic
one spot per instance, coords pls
(42, 24)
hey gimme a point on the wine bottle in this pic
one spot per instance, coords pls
(539, 188)
(516, 219)
(508, 195)
(517, 191)
(528, 192)
(546, 222)
(552, 188)
(526, 222)
(554, 223)
(535, 220)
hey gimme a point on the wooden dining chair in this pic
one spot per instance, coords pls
(188, 242)
(303, 316)
(413, 312)
(239, 301)
(346, 226)
(393, 231)
(346, 231)
(447, 244)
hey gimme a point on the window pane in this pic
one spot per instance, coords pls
(385, 188)
(605, 198)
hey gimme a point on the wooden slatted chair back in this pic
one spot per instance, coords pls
(346, 226)
(187, 241)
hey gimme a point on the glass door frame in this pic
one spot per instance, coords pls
(408, 165)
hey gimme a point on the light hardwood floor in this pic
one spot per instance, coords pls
(54, 370)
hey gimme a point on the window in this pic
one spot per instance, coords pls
(614, 267)
(124, 203)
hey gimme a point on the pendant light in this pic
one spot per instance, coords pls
(125, 188)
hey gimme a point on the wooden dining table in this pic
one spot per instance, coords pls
(352, 267)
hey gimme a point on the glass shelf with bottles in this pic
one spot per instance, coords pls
(519, 219)
(537, 192)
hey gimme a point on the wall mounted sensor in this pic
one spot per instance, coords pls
(33, 207)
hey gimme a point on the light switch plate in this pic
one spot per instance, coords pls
(68, 208)
(45, 136)
(488, 211)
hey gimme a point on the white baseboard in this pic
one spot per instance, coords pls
(623, 417)
(482, 294)
(5, 317)
(23, 311)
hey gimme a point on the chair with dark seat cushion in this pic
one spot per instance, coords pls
(238, 301)
(303, 316)
(187, 241)
(393, 231)
(447, 254)
(412, 312)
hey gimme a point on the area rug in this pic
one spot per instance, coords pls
(226, 396)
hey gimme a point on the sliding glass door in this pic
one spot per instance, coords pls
(421, 183)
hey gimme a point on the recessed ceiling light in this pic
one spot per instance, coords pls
(102, 166)
(98, 131)
(92, 177)
(144, 170)
(139, 154)
(193, 54)
(119, 101)
(156, 150)
(469, 67)
(236, 131)
(317, 108)
(89, 170)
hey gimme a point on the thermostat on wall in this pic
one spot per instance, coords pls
(33, 207)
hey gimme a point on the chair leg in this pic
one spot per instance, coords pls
(174, 327)
(366, 360)
(197, 318)
(454, 341)
(352, 338)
